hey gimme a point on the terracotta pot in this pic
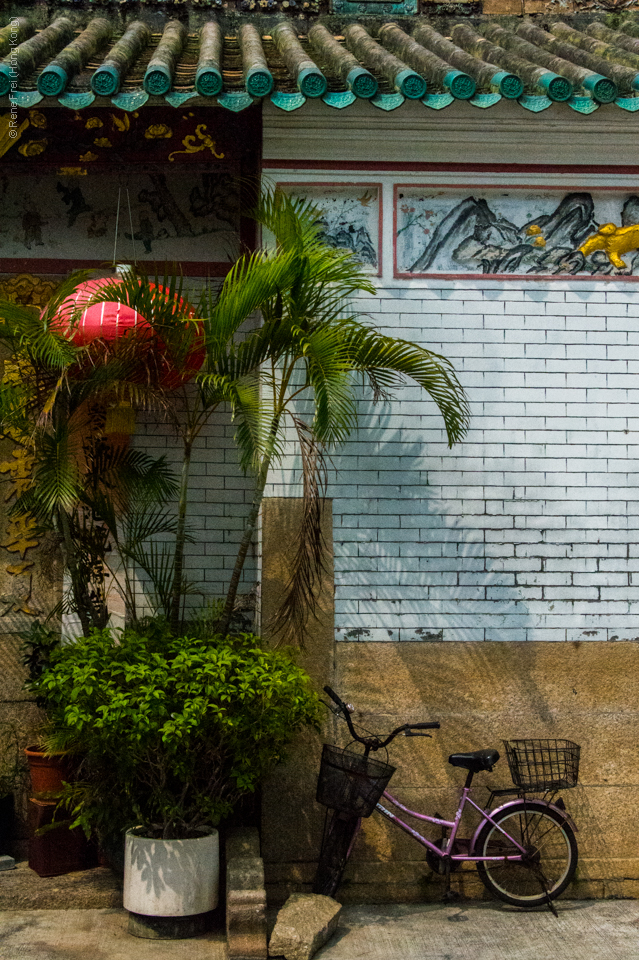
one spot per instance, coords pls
(47, 773)
(58, 851)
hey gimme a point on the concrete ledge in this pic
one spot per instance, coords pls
(245, 897)
(23, 889)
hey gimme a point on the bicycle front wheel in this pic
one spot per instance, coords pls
(338, 842)
(551, 854)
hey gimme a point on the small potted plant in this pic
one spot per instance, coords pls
(47, 771)
(171, 732)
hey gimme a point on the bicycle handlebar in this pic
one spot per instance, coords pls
(374, 743)
(335, 698)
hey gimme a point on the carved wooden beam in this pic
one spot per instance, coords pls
(10, 132)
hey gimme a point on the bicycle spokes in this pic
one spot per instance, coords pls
(548, 865)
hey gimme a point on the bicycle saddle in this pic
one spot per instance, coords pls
(479, 760)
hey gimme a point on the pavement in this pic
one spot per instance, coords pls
(585, 930)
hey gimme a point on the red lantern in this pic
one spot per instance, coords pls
(110, 320)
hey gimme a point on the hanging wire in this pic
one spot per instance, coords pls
(117, 221)
(135, 259)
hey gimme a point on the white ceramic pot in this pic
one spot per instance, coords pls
(171, 878)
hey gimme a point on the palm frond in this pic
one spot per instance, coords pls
(390, 360)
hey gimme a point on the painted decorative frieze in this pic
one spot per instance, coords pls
(515, 231)
(350, 214)
(147, 216)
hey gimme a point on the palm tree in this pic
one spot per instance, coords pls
(312, 350)
(230, 375)
(53, 401)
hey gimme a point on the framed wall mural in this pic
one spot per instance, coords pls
(351, 217)
(465, 231)
(149, 216)
(80, 189)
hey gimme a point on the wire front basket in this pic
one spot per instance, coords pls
(541, 765)
(350, 782)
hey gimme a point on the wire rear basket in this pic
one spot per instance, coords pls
(350, 782)
(541, 765)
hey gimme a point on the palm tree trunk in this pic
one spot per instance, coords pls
(249, 529)
(180, 538)
(72, 567)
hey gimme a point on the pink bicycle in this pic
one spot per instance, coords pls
(525, 849)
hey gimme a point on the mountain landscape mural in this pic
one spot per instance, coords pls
(499, 233)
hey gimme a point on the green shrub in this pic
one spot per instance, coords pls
(170, 732)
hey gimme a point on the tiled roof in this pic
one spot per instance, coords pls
(479, 61)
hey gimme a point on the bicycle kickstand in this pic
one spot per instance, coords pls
(544, 886)
(448, 896)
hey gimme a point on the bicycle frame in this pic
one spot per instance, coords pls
(446, 852)
(447, 848)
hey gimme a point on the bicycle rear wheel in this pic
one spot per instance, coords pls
(551, 854)
(338, 841)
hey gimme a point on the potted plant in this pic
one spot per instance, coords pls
(171, 732)
(48, 772)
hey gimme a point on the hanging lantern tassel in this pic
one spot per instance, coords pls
(120, 421)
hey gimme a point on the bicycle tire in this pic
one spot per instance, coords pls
(336, 848)
(552, 846)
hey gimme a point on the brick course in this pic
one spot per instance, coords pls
(524, 530)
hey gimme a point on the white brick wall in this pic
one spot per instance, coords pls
(527, 529)
(219, 500)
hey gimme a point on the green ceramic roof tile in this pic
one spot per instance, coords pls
(484, 100)
(631, 104)
(76, 101)
(232, 67)
(178, 99)
(339, 100)
(437, 101)
(535, 104)
(388, 101)
(288, 101)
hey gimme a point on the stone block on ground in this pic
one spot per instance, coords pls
(304, 924)
(246, 909)
(242, 842)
